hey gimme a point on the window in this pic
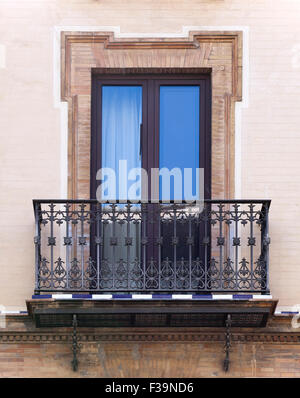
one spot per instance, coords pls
(154, 122)
(151, 122)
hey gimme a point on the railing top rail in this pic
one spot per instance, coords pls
(37, 202)
(212, 201)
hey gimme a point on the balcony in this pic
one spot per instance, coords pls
(157, 248)
(157, 252)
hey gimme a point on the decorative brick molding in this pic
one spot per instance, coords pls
(220, 53)
(56, 337)
(21, 329)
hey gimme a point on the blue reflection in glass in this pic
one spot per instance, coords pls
(179, 140)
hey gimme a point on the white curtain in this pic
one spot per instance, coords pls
(121, 120)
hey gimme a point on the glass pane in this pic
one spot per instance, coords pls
(179, 141)
(121, 120)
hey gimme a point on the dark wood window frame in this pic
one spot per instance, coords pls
(150, 142)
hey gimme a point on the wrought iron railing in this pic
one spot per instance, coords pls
(87, 246)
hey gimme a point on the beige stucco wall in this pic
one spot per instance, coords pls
(32, 124)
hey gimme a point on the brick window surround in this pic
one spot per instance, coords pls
(218, 53)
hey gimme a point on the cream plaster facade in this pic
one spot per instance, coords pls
(33, 121)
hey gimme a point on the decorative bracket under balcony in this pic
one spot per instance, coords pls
(227, 342)
(75, 345)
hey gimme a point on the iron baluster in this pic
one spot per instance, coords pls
(220, 244)
(266, 243)
(113, 265)
(128, 206)
(82, 237)
(175, 246)
(190, 248)
(251, 242)
(144, 241)
(160, 216)
(37, 242)
(236, 241)
(206, 217)
(68, 245)
(51, 243)
(98, 216)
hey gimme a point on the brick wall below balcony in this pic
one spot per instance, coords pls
(150, 360)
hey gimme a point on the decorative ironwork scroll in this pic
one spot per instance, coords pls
(84, 245)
